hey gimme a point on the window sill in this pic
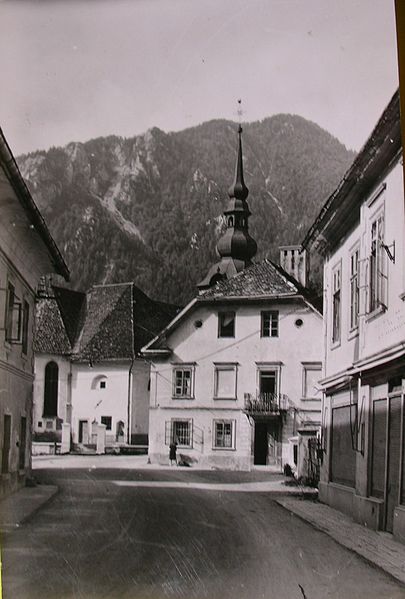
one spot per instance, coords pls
(311, 399)
(225, 398)
(224, 449)
(335, 345)
(182, 397)
(353, 334)
(375, 313)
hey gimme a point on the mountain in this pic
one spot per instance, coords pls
(148, 209)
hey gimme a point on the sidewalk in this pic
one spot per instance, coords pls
(17, 507)
(375, 546)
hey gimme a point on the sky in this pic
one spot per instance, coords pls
(73, 70)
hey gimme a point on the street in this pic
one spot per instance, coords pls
(117, 533)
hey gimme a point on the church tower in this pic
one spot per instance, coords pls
(236, 247)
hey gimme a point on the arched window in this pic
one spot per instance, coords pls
(99, 382)
(51, 390)
(230, 221)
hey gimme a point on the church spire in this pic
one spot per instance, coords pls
(236, 247)
(238, 189)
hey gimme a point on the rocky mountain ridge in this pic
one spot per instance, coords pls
(149, 208)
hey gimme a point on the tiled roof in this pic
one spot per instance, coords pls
(50, 333)
(107, 331)
(264, 279)
(110, 322)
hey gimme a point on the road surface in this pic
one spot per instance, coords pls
(128, 534)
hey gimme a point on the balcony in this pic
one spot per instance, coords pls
(265, 403)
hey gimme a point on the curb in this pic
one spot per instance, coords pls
(349, 547)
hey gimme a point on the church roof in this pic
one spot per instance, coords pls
(110, 322)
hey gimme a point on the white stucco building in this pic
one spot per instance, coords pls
(361, 233)
(87, 364)
(233, 376)
(27, 251)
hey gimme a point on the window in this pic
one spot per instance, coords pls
(179, 431)
(103, 384)
(311, 376)
(107, 420)
(5, 449)
(26, 317)
(224, 434)
(226, 324)
(268, 382)
(183, 382)
(336, 284)
(13, 316)
(354, 289)
(376, 274)
(269, 324)
(225, 381)
(51, 390)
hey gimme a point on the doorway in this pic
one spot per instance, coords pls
(83, 431)
(266, 443)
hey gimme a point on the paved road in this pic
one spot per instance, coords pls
(98, 539)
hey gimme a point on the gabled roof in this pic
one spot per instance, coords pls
(12, 172)
(107, 331)
(263, 281)
(342, 209)
(110, 322)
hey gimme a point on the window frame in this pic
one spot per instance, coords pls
(354, 290)
(223, 422)
(222, 367)
(269, 366)
(274, 317)
(221, 315)
(183, 368)
(25, 327)
(310, 367)
(189, 422)
(377, 270)
(336, 328)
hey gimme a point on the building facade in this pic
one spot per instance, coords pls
(360, 232)
(233, 376)
(27, 251)
(87, 364)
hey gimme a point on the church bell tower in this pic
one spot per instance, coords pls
(236, 247)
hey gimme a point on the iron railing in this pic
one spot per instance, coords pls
(265, 403)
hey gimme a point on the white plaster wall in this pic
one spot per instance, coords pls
(140, 398)
(387, 328)
(90, 404)
(201, 345)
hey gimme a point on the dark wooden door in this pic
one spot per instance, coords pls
(261, 444)
(393, 465)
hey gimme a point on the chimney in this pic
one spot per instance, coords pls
(295, 261)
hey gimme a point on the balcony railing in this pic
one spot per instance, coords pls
(265, 403)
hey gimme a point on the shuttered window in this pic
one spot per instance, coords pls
(378, 449)
(343, 459)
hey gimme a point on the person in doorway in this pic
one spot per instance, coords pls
(173, 452)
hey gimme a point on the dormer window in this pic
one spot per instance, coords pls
(226, 324)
